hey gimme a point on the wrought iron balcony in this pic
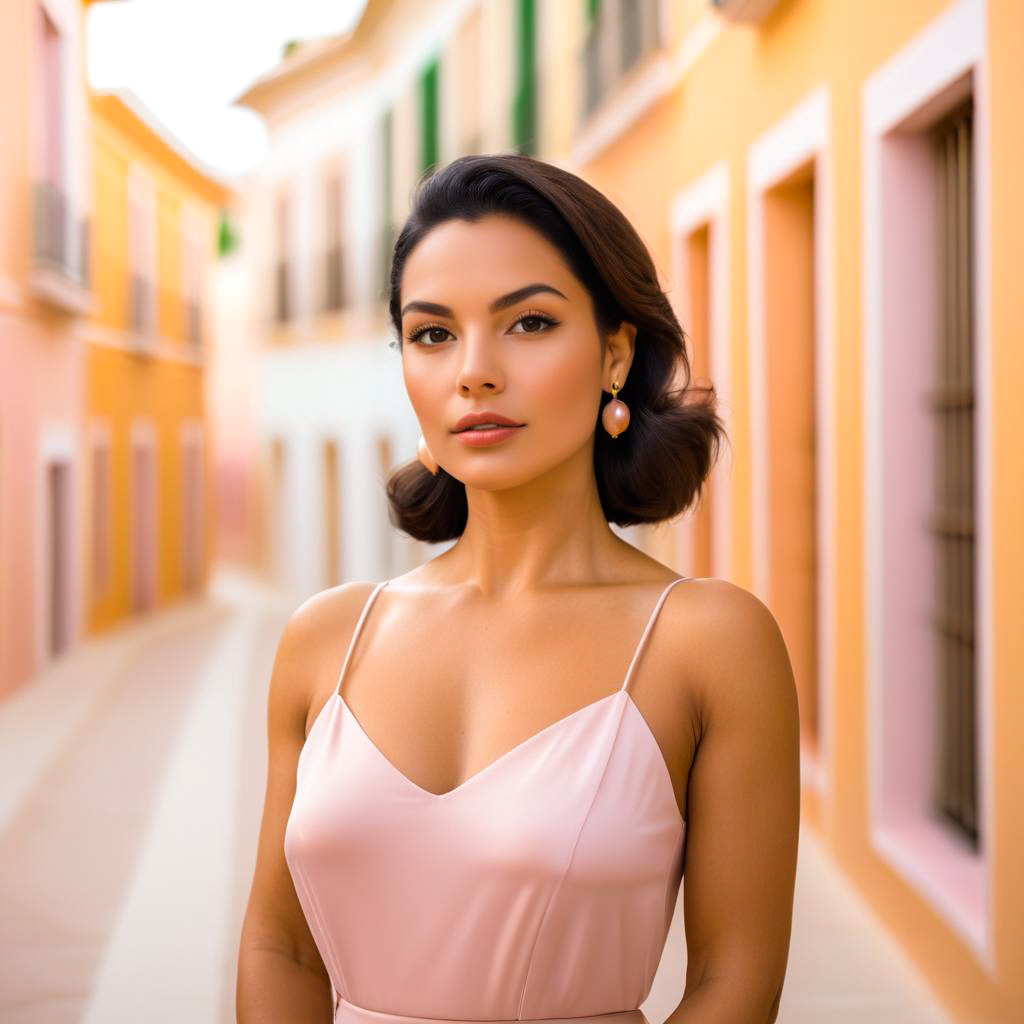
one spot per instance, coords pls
(60, 272)
(618, 39)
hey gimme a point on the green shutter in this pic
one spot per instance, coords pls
(429, 134)
(227, 236)
(591, 7)
(524, 114)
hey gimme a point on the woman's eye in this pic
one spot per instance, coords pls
(533, 323)
(535, 319)
(428, 329)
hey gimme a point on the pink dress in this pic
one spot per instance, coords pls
(542, 887)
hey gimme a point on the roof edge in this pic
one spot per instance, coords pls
(138, 108)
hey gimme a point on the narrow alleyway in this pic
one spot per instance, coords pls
(131, 785)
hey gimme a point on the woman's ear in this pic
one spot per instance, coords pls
(618, 352)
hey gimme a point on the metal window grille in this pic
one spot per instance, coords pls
(953, 523)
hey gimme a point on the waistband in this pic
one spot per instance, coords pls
(348, 1013)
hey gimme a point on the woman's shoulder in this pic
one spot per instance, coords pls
(731, 642)
(328, 613)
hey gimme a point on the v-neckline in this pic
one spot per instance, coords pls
(466, 783)
(565, 719)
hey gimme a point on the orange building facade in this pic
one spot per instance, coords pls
(830, 191)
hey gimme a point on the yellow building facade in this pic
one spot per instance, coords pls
(149, 504)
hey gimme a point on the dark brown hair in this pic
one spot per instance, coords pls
(656, 468)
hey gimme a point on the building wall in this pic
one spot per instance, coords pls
(144, 381)
(808, 64)
(40, 358)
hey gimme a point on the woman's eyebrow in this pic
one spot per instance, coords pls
(498, 304)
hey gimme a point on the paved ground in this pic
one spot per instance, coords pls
(131, 785)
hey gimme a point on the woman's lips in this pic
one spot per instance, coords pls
(477, 438)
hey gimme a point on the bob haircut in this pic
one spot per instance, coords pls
(656, 468)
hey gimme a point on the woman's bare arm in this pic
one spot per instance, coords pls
(743, 814)
(281, 976)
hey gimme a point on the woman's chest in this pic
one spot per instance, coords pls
(443, 699)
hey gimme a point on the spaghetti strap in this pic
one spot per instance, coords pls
(355, 633)
(647, 631)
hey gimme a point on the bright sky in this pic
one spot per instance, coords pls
(187, 59)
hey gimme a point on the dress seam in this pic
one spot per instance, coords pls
(568, 865)
(315, 905)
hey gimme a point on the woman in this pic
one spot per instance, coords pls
(501, 788)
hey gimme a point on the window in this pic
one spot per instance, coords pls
(700, 274)
(928, 486)
(952, 522)
(333, 267)
(619, 33)
(332, 517)
(282, 267)
(638, 28)
(51, 69)
(193, 505)
(101, 547)
(192, 286)
(387, 536)
(468, 71)
(144, 504)
(60, 232)
(60, 571)
(789, 267)
(387, 230)
(142, 309)
(51, 196)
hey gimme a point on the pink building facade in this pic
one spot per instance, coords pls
(44, 295)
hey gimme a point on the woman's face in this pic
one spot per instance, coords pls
(494, 321)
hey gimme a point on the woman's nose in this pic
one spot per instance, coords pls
(480, 365)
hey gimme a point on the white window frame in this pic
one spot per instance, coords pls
(705, 203)
(799, 137)
(908, 91)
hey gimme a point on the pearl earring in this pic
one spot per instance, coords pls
(423, 453)
(615, 415)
